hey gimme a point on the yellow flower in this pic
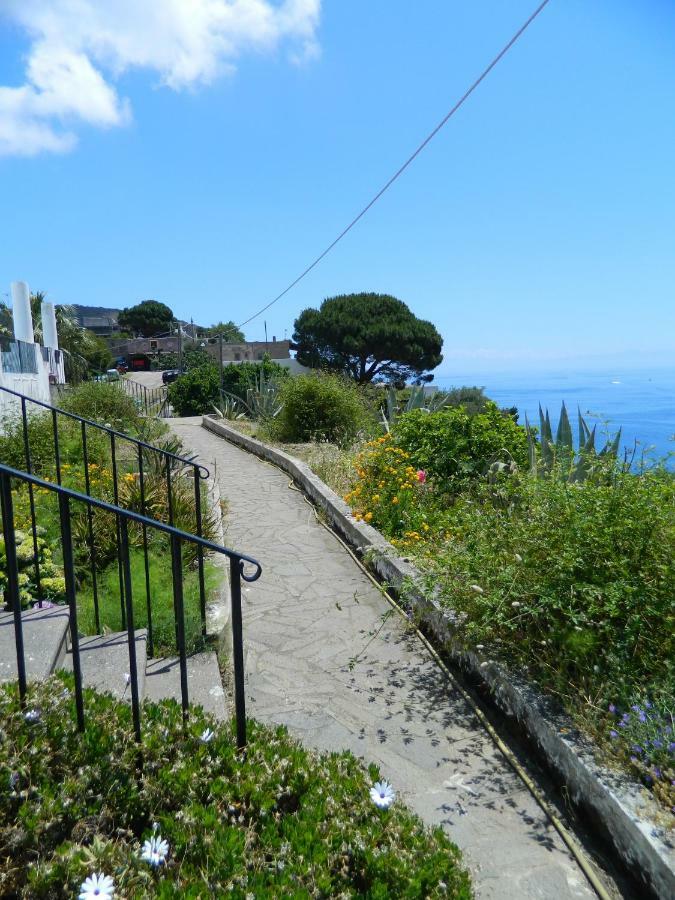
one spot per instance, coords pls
(129, 477)
(358, 516)
(376, 498)
(368, 516)
(394, 500)
(425, 527)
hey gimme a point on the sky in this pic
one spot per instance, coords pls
(204, 152)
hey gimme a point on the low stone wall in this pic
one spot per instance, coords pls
(621, 811)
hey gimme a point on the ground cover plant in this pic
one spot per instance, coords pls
(186, 815)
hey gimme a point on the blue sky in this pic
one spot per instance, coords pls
(205, 164)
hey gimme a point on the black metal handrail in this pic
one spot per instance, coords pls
(153, 400)
(123, 517)
(171, 465)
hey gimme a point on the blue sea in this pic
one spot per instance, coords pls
(641, 403)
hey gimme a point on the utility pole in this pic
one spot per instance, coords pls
(180, 347)
(220, 354)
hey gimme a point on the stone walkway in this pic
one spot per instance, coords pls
(314, 665)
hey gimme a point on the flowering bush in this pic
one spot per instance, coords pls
(643, 736)
(199, 819)
(453, 446)
(390, 493)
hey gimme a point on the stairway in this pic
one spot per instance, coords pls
(105, 661)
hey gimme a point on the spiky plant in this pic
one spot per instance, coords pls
(557, 455)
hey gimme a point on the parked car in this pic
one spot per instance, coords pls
(112, 375)
(170, 375)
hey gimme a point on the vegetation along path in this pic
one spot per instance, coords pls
(314, 664)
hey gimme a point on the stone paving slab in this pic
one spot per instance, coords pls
(314, 665)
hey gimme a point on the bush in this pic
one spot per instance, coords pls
(391, 494)
(276, 821)
(452, 445)
(104, 403)
(319, 407)
(195, 392)
(41, 443)
(239, 377)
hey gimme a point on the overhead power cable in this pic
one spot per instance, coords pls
(405, 165)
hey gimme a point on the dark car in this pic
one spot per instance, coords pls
(171, 375)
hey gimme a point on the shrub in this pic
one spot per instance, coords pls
(195, 392)
(275, 821)
(41, 443)
(238, 378)
(390, 493)
(452, 445)
(105, 403)
(576, 581)
(319, 407)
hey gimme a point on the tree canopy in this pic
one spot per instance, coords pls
(371, 337)
(147, 318)
(231, 334)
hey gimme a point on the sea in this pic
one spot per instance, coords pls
(640, 403)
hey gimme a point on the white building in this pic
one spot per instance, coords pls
(26, 366)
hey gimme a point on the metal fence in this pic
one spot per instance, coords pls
(129, 457)
(67, 500)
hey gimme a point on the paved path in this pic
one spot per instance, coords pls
(312, 612)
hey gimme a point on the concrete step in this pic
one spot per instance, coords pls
(44, 641)
(105, 661)
(205, 686)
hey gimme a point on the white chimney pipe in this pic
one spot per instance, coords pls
(50, 337)
(23, 321)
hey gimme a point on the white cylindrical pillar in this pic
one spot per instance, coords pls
(50, 337)
(23, 320)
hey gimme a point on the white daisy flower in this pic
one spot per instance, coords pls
(382, 794)
(97, 885)
(155, 850)
(32, 715)
(206, 736)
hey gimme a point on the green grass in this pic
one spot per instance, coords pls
(161, 592)
(275, 821)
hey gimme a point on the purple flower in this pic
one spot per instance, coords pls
(634, 760)
(625, 717)
(613, 734)
(636, 708)
(637, 748)
(623, 724)
(612, 708)
(657, 772)
(671, 746)
(657, 744)
(642, 717)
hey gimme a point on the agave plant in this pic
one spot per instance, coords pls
(417, 399)
(231, 407)
(262, 398)
(558, 454)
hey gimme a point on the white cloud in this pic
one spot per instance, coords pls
(79, 47)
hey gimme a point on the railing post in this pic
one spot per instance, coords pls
(69, 576)
(57, 452)
(169, 493)
(13, 580)
(238, 650)
(200, 549)
(148, 604)
(179, 613)
(117, 526)
(90, 528)
(31, 500)
(131, 636)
